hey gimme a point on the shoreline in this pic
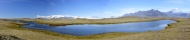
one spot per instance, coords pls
(96, 36)
(101, 23)
(179, 30)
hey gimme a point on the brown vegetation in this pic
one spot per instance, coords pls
(9, 37)
(175, 31)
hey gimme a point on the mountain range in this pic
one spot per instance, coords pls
(65, 17)
(157, 13)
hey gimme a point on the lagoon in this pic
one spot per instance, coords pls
(92, 29)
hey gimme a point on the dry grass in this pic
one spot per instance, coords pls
(24, 34)
(93, 21)
(176, 31)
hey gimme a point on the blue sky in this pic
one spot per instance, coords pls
(85, 8)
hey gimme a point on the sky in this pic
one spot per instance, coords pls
(85, 8)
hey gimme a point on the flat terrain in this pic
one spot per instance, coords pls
(91, 21)
(176, 31)
(24, 34)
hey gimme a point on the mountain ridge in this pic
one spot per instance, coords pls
(157, 13)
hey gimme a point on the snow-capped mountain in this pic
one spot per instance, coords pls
(156, 13)
(149, 13)
(58, 16)
(178, 14)
(176, 10)
(65, 17)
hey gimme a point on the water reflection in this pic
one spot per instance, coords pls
(90, 29)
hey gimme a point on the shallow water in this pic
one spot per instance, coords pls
(90, 29)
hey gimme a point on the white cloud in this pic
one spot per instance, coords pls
(51, 3)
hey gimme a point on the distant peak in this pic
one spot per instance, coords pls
(153, 10)
(176, 10)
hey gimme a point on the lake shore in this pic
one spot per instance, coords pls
(107, 36)
(64, 22)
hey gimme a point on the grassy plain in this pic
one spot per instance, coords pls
(58, 22)
(176, 31)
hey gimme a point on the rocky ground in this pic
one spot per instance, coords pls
(9, 37)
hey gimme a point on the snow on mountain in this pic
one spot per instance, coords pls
(149, 13)
(66, 16)
(58, 16)
(156, 13)
(90, 18)
(176, 10)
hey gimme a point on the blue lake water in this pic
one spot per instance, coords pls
(90, 29)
